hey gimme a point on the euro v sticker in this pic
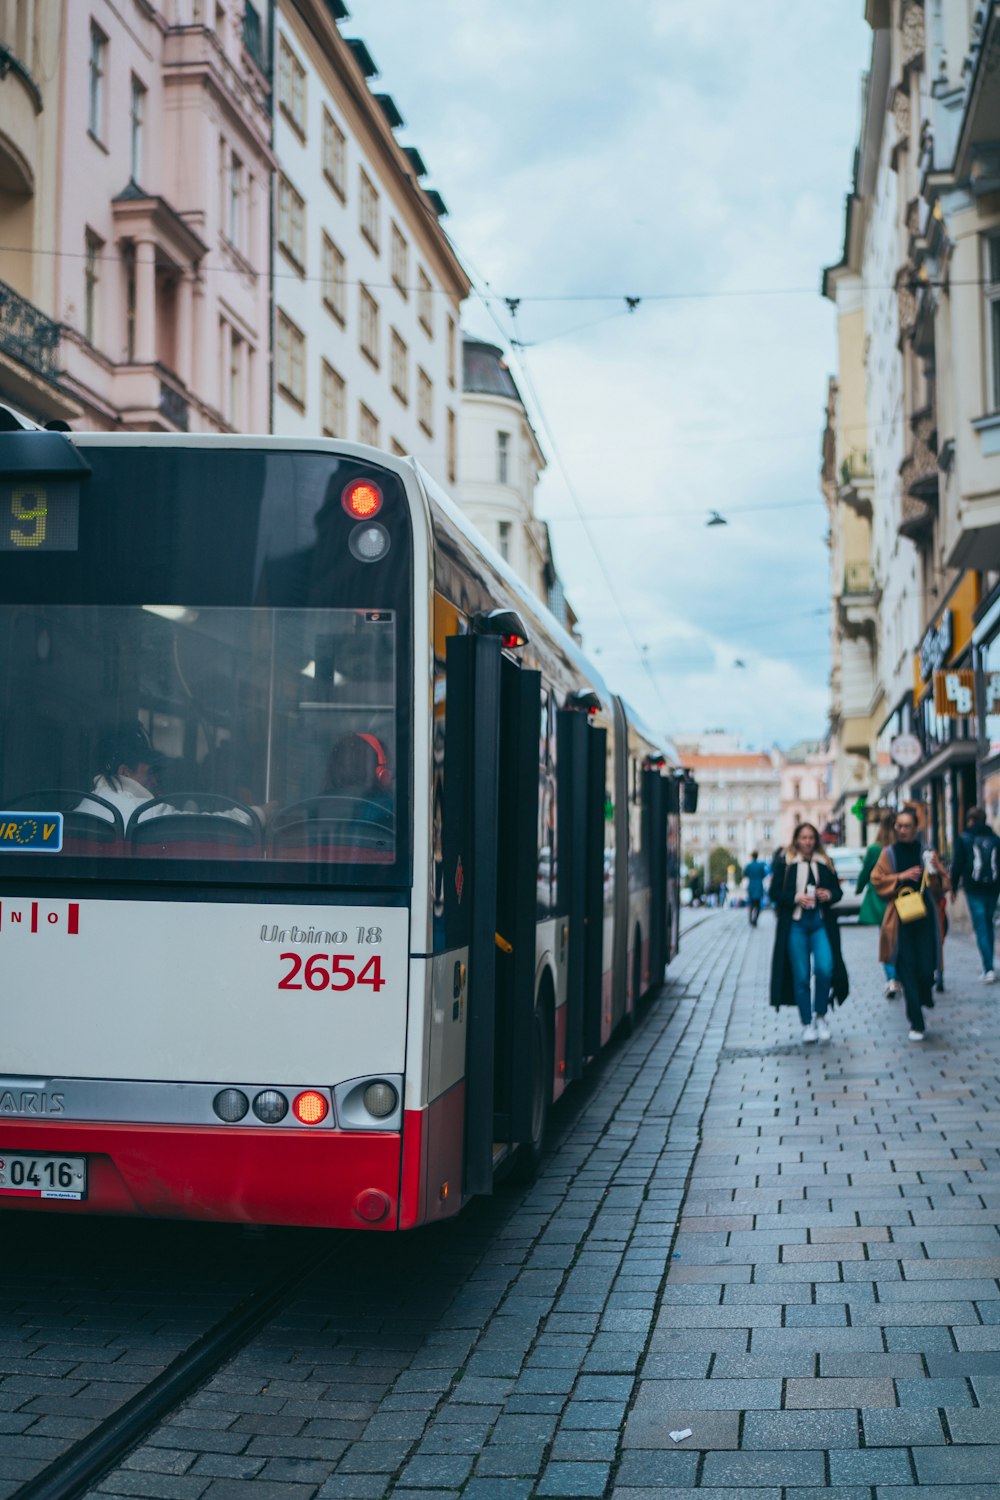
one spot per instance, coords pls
(31, 833)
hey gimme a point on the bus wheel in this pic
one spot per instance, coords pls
(529, 1153)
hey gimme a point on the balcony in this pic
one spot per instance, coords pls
(29, 360)
(857, 484)
(858, 578)
(857, 606)
(980, 130)
(918, 475)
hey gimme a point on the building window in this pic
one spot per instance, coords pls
(425, 302)
(452, 351)
(291, 224)
(334, 280)
(395, 446)
(399, 368)
(291, 88)
(769, 830)
(367, 426)
(98, 66)
(730, 831)
(369, 210)
(713, 832)
(234, 413)
(291, 361)
(136, 117)
(400, 261)
(992, 292)
(796, 790)
(91, 282)
(334, 155)
(368, 337)
(503, 457)
(334, 403)
(452, 447)
(503, 539)
(235, 209)
(425, 401)
(128, 263)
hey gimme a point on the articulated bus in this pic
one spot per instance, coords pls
(327, 862)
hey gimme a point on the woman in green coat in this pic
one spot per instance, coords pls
(873, 907)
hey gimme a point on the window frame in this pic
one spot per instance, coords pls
(369, 326)
(368, 419)
(334, 155)
(93, 245)
(290, 195)
(97, 74)
(399, 366)
(296, 342)
(425, 302)
(425, 402)
(400, 259)
(292, 79)
(137, 122)
(503, 457)
(369, 210)
(332, 380)
(334, 279)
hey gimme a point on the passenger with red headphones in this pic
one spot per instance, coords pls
(358, 767)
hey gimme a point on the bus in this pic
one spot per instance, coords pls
(327, 861)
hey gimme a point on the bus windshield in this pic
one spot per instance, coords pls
(203, 667)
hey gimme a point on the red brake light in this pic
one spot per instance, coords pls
(513, 642)
(310, 1108)
(362, 499)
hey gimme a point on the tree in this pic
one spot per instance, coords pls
(718, 866)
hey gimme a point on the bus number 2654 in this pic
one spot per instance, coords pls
(330, 971)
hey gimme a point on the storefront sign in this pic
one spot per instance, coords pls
(955, 693)
(991, 682)
(936, 646)
(906, 750)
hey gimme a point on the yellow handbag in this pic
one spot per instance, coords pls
(910, 905)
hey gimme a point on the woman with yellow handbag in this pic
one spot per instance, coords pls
(911, 880)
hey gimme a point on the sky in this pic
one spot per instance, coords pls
(695, 154)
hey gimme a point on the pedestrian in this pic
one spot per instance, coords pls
(804, 891)
(912, 946)
(977, 866)
(873, 907)
(756, 874)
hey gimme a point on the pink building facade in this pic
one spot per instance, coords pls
(807, 788)
(157, 167)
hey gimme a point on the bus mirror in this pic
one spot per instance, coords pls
(503, 622)
(585, 700)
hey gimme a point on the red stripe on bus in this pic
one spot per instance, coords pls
(73, 919)
(34, 916)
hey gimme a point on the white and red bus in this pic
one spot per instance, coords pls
(327, 861)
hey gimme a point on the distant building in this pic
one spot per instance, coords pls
(807, 789)
(500, 464)
(739, 803)
(367, 287)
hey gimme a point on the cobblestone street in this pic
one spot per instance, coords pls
(792, 1252)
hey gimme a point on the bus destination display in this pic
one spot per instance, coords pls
(39, 515)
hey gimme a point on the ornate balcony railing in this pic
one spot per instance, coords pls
(27, 334)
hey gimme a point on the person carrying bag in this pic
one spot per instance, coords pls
(911, 880)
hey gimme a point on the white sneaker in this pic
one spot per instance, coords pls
(917, 1036)
(809, 1033)
(822, 1028)
(989, 977)
(893, 989)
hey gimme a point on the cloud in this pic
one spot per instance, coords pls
(686, 147)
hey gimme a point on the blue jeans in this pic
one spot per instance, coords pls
(890, 972)
(982, 909)
(808, 939)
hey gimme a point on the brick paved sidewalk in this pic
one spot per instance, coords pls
(831, 1314)
(825, 1314)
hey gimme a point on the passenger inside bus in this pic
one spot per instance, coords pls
(357, 767)
(127, 778)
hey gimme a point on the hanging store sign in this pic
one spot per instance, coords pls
(991, 683)
(906, 750)
(955, 693)
(936, 646)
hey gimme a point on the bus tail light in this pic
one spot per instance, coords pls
(270, 1106)
(380, 1099)
(309, 1107)
(362, 499)
(369, 542)
(230, 1105)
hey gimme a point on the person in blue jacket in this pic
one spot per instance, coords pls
(756, 874)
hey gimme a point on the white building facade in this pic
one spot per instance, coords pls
(500, 464)
(739, 799)
(367, 289)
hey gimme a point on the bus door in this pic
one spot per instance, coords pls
(490, 837)
(517, 868)
(582, 751)
(656, 790)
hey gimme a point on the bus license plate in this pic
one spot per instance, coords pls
(43, 1176)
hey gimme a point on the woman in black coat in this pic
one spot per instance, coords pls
(804, 891)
